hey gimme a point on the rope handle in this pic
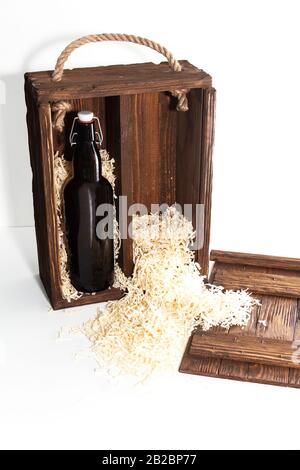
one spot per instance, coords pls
(60, 108)
(59, 67)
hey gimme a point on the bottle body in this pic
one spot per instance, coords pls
(91, 257)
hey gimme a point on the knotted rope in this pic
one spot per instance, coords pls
(60, 108)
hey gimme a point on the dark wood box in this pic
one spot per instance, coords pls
(162, 155)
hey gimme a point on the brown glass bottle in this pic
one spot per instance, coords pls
(91, 256)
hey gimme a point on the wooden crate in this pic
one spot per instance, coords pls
(162, 155)
(267, 350)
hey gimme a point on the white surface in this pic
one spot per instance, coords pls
(50, 400)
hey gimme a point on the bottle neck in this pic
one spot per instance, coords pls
(86, 157)
(85, 131)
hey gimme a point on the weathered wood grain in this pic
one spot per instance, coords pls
(243, 348)
(194, 163)
(250, 259)
(148, 154)
(188, 153)
(233, 369)
(116, 80)
(262, 373)
(46, 155)
(168, 130)
(279, 315)
(200, 366)
(206, 173)
(277, 318)
(38, 189)
(260, 280)
(267, 350)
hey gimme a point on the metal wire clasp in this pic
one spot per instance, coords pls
(98, 134)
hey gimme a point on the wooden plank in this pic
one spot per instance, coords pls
(206, 172)
(270, 312)
(167, 117)
(277, 318)
(148, 157)
(209, 366)
(198, 366)
(194, 163)
(243, 348)
(262, 373)
(38, 189)
(134, 148)
(249, 259)
(233, 369)
(86, 299)
(116, 80)
(189, 153)
(112, 71)
(47, 157)
(281, 323)
(232, 276)
(294, 377)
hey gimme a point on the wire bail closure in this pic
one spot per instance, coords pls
(99, 134)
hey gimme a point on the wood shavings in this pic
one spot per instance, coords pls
(147, 329)
(62, 172)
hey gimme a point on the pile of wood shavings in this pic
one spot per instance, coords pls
(147, 329)
(63, 170)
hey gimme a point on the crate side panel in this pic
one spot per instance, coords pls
(148, 157)
(38, 189)
(206, 173)
(195, 133)
(47, 157)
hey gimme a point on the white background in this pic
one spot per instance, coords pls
(251, 48)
